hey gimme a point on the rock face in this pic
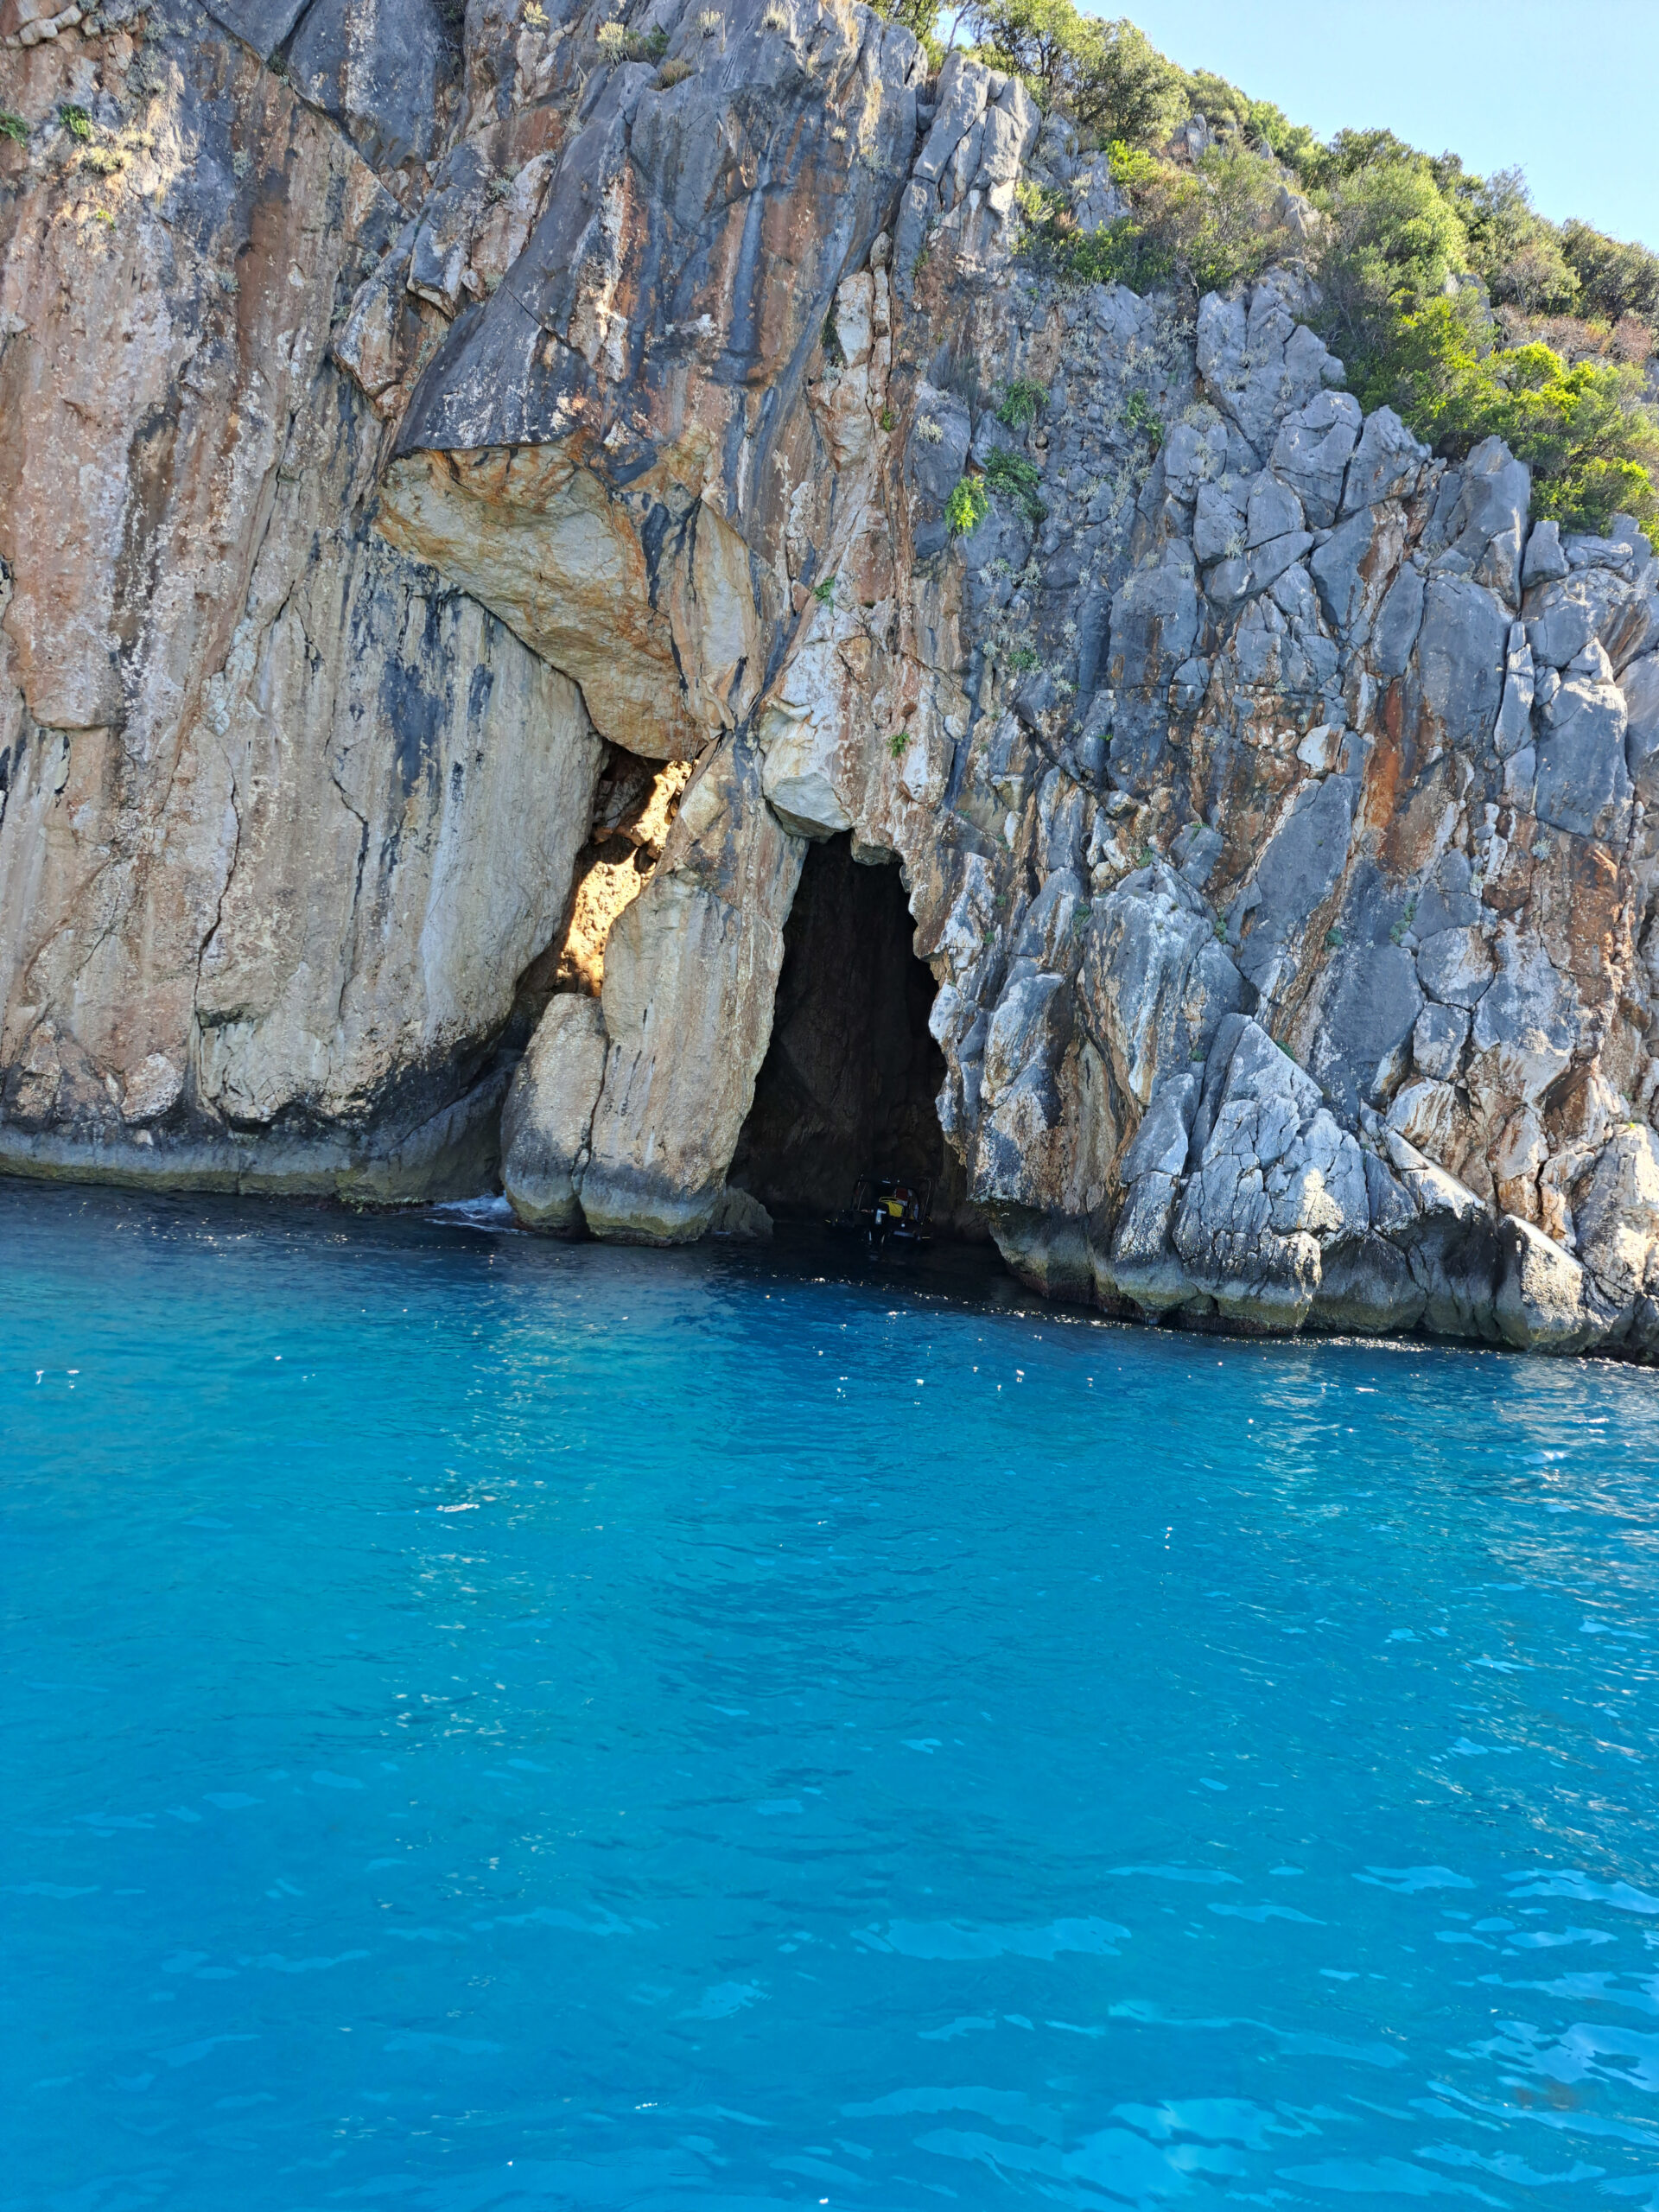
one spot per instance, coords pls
(410, 439)
(281, 816)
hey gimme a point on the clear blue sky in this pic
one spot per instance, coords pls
(1568, 90)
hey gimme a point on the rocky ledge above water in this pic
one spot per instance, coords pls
(475, 506)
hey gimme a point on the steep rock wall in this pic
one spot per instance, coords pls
(282, 815)
(1271, 798)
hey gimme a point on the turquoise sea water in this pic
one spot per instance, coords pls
(494, 1724)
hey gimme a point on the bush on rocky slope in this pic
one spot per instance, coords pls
(1201, 228)
(1448, 295)
(1583, 426)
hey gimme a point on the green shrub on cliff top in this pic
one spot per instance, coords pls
(1201, 228)
(1414, 251)
(1582, 427)
(1516, 253)
(1614, 280)
(1447, 295)
(1392, 243)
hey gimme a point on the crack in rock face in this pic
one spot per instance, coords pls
(484, 510)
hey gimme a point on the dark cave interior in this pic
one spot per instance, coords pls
(848, 1083)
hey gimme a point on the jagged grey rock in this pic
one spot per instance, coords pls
(1154, 983)
(1437, 1040)
(1336, 569)
(1398, 624)
(374, 66)
(1388, 463)
(1462, 655)
(1584, 785)
(1640, 685)
(1313, 448)
(1513, 723)
(1274, 1180)
(690, 969)
(1545, 560)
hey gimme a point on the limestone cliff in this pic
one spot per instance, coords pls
(476, 507)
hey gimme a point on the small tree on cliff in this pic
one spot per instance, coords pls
(1108, 76)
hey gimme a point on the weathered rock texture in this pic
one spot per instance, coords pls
(410, 441)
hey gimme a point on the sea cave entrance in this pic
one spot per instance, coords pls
(849, 1080)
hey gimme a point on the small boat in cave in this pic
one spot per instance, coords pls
(894, 1211)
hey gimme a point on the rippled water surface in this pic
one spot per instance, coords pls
(491, 1724)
